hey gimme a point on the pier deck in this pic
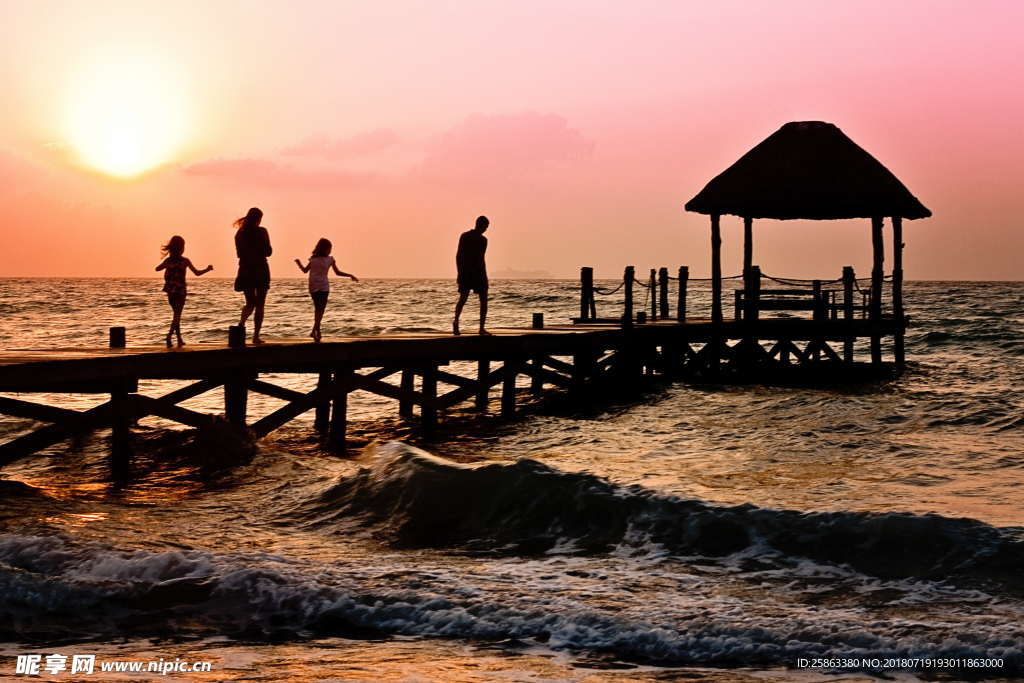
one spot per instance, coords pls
(569, 357)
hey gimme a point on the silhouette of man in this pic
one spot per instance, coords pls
(472, 271)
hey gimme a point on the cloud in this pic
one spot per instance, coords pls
(499, 147)
(269, 173)
(362, 144)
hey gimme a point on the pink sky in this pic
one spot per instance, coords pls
(580, 128)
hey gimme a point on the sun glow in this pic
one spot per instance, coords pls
(126, 115)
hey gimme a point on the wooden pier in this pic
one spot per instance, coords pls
(414, 370)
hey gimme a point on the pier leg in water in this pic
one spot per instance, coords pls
(120, 433)
(323, 409)
(337, 437)
(236, 400)
(483, 368)
(408, 383)
(428, 412)
(508, 388)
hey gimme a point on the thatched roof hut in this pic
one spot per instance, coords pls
(811, 170)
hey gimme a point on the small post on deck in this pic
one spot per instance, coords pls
(627, 280)
(428, 412)
(538, 321)
(236, 336)
(336, 438)
(897, 290)
(586, 292)
(483, 368)
(875, 306)
(716, 294)
(118, 337)
(323, 409)
(508, 388)
(849, 280)
(407, 385)
(684, 276)
(652, 289)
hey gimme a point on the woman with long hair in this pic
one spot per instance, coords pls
(252, 243)
(174, 266)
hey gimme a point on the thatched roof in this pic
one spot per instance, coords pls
(807, 169)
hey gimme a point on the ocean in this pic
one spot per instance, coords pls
(697, 532)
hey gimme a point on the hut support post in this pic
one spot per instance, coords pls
(752, 287)
(716, 293)
(339, 412)
(684, 275)
(586, 292)
(848, 284)
(878, 261)
(627, 279)
(748, 243)
(663, 293)
(897, 289)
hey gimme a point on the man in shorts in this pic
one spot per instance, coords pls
(472, 271)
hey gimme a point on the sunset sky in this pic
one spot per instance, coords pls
(579, 127)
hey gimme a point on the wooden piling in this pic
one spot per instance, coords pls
(652, 289)
(897, 291)
(118, 338)
(236, 399)
(323, 409)
(663, 293)
(849, 281)
(536, 380)
(338, 436)
(627, 279)
(586, 292)
(508, 388)
(714, 357)
(120, 430)
(428, 412)
(483, 369)
(877, 277)
(684, 276)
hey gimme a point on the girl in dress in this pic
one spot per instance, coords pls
(319, 287)
(174, 266)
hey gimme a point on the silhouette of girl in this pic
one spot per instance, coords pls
(252, 243)
(318, 268)
(174, 266)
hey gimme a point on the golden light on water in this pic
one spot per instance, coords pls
(126, 115)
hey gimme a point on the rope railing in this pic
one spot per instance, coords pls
(609, 292)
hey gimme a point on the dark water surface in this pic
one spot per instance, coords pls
(713, 532)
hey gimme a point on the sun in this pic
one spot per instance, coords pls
(126, 115)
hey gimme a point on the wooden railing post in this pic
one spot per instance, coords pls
(752, 294)
(652, 288)
(849, 280)
(586, 292)
(684, 276)
(627, 280)
(663, 293)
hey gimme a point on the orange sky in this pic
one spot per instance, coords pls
(579, 127)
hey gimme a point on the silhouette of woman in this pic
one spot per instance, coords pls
(252, 243)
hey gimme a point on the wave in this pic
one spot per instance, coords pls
(52, 588)
(413, 499)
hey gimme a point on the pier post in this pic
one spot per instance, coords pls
(819, 318)
(120, 431)
(428, 411)
(508, 388)
(897, 291)
(627, 280)
(582, 368)
(714, 357)
(236, 336)
(586, 292)
(878, 260)
(849, 280)
(684, 276)
(748, 243)
(652, 289)
(323, 409)
(483, 368)
(337, 436)
(236, 399)
(118, 337)
(663, 293)
(536, 382)
(751, 304)
(407, 385)
(537, 321)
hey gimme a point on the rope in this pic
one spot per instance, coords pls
(608, 292)
(710, 279)
(641, 282)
